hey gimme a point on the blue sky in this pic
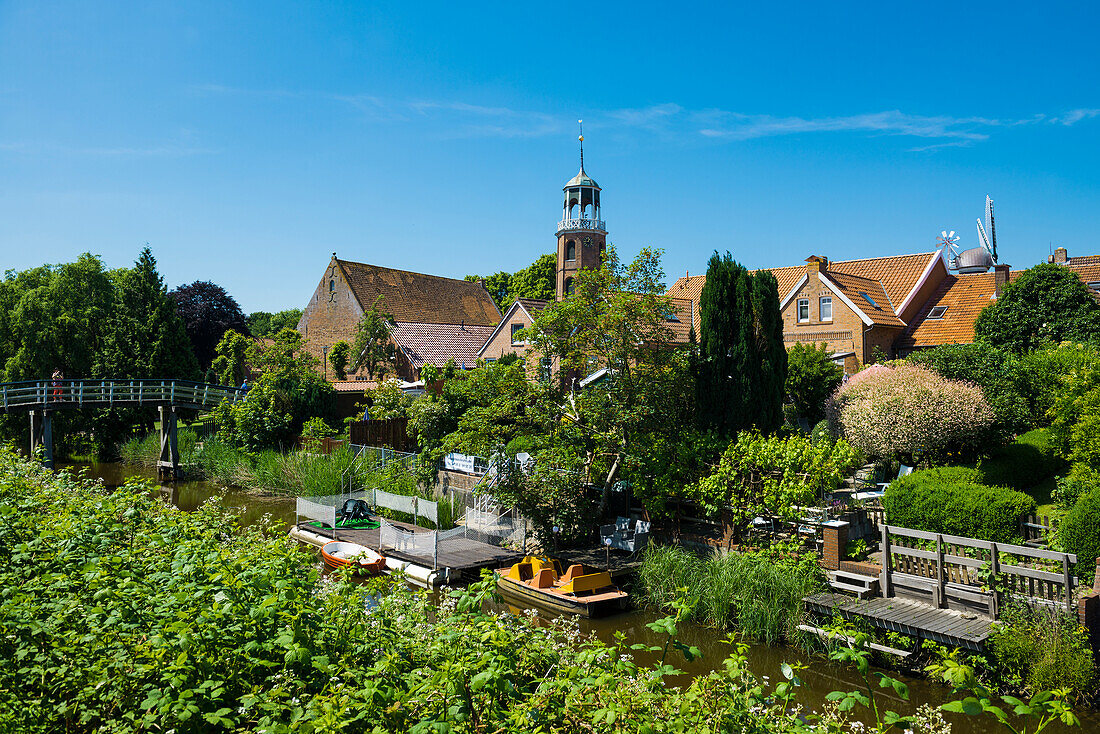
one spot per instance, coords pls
(247, 141)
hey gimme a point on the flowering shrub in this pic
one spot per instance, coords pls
(910, 411)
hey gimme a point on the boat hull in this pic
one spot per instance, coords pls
(522, 595)
(331, 554)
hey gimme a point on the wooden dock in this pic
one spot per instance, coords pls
(462, 556)
(621, 565)
(924, 622)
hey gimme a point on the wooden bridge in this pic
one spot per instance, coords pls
(40, 398)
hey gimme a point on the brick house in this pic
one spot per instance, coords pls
(436, 319)
(853, 307)
(895, 304)
(506, 338)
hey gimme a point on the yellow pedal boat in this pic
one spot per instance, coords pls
(539, 582)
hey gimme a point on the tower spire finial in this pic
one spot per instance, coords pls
(580, 126)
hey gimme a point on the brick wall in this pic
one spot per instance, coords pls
(501, 344)
(332, 314)
(843, 334)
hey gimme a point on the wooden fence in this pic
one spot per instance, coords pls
(1037, 528)
(970, 574)
(389, 433)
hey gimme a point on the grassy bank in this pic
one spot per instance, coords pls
(297, 473)
(758, 593)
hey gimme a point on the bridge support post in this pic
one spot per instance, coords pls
(42, 435)
(169, 462)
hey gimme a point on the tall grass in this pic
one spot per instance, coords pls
(760, 595)
(300, 473)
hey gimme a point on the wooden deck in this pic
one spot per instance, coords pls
(946, 626)
(622, 565)
(461, 555)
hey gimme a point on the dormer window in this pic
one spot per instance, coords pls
(803, 310)
(937, 312)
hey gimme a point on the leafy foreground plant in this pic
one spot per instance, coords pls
(121, 614)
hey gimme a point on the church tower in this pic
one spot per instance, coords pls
(582, 236)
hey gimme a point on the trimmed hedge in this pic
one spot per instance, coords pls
(1024, 463)
(954, 500)
(1079, 532)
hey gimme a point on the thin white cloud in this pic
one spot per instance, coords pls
(451, 119)
(1074, 116)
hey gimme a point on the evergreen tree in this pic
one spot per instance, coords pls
(742, 363)
(771, 351)
(145, 336)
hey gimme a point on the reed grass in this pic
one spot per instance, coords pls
(300, 473)
(754, 593)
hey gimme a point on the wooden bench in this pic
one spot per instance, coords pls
(863, 587)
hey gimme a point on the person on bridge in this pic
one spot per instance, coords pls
(58, 376)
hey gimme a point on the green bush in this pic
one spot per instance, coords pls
(1023, 463)
(1038, 649)
(1080, 480)
(821, 432)
(954, 501)
(1079, 532)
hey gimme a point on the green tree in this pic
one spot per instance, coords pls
(373, 349)
(537, 279)
(289, 391)
(742, 364)
(769, 351)
(1047, 303)
(145, 335)
(230, 365)
(812, 376)
(262, 324)
(338, 357)
(616, 319)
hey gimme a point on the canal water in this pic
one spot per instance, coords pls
(818, 678)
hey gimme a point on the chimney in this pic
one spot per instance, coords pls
(1061, 257)
(1000, 277)
(816, 263)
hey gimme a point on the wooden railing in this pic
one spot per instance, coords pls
(970, 571)
(75, 394)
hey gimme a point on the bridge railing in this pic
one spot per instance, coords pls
(65, 394)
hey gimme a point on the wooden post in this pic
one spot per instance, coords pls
(169, 461)
(941, 596)
(1068, 581)
(995, 568)
(47, 440)
(887, 589)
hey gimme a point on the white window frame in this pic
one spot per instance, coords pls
(512, 335)
(821, 302)
(799, 305)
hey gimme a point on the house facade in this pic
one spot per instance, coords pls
(889, 306)
(436, 319)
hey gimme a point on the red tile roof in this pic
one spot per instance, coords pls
(422, 299)
(963, 297)
(868, 295)
(437, 343)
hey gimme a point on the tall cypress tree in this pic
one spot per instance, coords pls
(742, 362)
(771, 351)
